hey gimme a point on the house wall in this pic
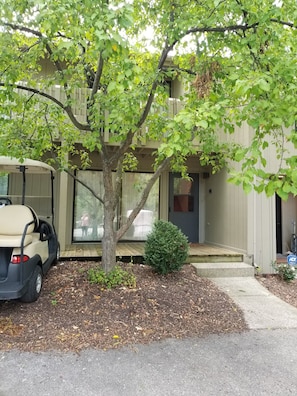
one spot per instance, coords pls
(288, 207)
(239, 221)
(225, 213)
(266, 207)
(262, 231)
(66, 193)
(255, 227)
(227, 216)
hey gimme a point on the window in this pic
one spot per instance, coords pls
(133, 185)
(88, 210)
(183, 198)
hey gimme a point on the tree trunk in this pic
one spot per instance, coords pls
(108, 250)
(109, 241)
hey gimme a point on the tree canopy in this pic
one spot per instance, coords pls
(235, 58)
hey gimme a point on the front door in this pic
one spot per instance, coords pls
(183, 204)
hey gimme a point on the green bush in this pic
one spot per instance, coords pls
(166, 248)
(116, 277)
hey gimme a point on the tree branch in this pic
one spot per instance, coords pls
(98, 75)
(84, 185)
(126, 144)
(60, 70)
(151, 96)
(67, 109)
(284, 23)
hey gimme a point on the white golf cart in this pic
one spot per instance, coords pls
(28, 240)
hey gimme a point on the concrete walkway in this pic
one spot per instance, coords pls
(262, 310)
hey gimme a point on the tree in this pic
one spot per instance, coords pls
(237, 59)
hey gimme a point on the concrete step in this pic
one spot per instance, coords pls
(224, 269)
(215, 258)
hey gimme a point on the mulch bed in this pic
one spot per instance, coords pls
(72, 314)
(287, 291)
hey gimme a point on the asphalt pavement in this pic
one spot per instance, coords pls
(260, 361)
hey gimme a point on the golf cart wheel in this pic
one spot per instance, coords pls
(34, 287)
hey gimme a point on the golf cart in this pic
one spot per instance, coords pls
(28, 240)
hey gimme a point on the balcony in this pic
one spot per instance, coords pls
(80, 96)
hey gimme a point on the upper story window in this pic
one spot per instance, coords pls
(175, 88)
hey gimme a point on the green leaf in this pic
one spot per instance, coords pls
(294, 176)
(269, 189)
(264, 85)
(286, 188)
(240, 154)
(247, 187)
(277, 121)
(233, 77)
(259, 188)
(112, 86)
(282, 194)
(202, 124)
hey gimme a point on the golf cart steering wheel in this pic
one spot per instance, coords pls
(5, 201)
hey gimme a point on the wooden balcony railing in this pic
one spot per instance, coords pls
(80, 96)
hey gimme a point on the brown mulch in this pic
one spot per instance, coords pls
(287, 291)
(71, 314)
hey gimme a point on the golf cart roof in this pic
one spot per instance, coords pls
(12, 165)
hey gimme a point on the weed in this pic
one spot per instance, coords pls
(116, 277)
(286, 271)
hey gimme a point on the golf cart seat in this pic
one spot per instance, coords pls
(18, 224)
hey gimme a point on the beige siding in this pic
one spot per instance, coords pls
(243, 135)
(259, 212)
(225, 214)
(244, 222)
(261, 231)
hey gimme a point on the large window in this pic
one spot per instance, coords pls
(88, 211)
(133, 185)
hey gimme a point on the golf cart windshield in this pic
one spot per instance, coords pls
(28, 182)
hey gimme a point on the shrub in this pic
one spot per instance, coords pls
(166, 248)
(285, 271)
(116, 277)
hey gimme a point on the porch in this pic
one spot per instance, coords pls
(133, 251)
